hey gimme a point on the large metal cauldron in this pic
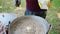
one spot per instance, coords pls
(29, 25)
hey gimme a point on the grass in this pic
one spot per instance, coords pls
(52, 17)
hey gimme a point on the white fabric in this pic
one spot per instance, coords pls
(44, 3)
(7, 17)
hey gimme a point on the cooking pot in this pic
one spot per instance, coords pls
(29, 25)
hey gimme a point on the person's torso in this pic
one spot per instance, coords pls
(32, 5)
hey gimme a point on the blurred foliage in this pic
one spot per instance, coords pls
(53, 18)
(8, 6)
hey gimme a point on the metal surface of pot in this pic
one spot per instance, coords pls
(29, 25)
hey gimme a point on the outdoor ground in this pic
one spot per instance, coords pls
(53, 14)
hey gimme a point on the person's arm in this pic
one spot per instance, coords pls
(3, 30)
(17, 3)
(7, 30)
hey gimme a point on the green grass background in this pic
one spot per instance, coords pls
(51, 14)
